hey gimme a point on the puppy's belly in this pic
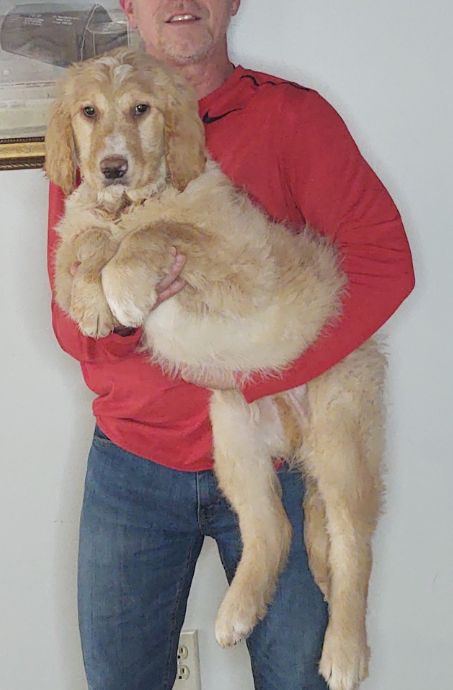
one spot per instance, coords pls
(243, 344)
(276, 422)
(270, 427)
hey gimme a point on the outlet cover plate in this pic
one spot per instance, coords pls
(188, 677)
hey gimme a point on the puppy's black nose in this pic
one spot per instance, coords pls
(113, 167)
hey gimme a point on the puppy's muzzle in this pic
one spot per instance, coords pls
(113, 167)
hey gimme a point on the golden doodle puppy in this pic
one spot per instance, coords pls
(257, 296)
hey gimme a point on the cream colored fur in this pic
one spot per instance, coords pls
(256, 298)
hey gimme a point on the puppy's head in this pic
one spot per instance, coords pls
(124, 119)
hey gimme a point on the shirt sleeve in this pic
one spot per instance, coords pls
(69, 337)
(341, 197)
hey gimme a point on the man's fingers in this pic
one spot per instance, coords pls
(171, 290)
(172, 276)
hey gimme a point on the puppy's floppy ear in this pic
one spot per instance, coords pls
(60, 148)
(184, 137)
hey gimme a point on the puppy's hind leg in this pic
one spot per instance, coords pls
(349, 486)
(316, 537)
(246, 476)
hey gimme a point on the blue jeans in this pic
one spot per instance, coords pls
(142, 528)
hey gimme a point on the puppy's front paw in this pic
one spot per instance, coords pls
(344, 660)
(95, 321)
(89, 308)
(126, 312)
(128, 294)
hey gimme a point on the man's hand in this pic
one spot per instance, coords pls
(171, 284)
(215, 379)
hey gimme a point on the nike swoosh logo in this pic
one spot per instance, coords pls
(209, 119)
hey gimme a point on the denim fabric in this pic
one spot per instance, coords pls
(142, 528)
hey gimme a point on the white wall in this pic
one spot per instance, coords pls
(387, 67)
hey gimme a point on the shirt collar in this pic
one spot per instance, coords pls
(220, 97)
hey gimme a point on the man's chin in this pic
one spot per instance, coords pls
(185, 54)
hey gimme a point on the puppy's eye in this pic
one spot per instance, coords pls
(89, 111)
(141, 109)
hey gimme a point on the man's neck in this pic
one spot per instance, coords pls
(209, 73)
(206, 78)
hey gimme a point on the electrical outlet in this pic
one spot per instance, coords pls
(188, 676)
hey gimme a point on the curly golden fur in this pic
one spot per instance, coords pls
(256, 298)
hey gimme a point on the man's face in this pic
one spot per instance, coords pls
(181, 31)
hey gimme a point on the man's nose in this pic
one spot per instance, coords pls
(113, 167)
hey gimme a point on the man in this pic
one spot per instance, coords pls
(150, 495)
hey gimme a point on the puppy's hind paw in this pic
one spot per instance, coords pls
(344, 664)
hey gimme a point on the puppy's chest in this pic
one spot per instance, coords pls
(177, 334)
(136, 216)
(117, 219)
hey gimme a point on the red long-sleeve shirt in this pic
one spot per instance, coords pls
(293, 154)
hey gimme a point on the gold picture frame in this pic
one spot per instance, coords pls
(38, 39)
(22, 152)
